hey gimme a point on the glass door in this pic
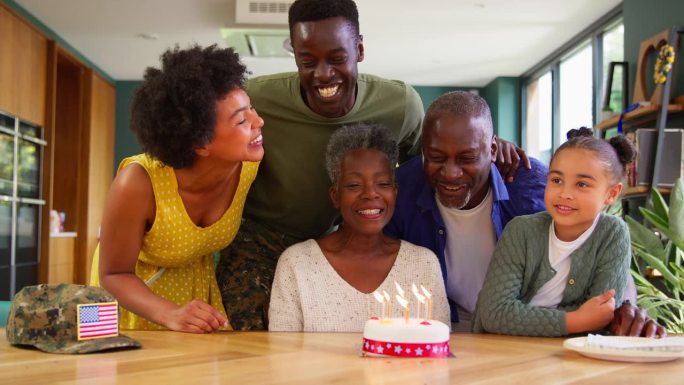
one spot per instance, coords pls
(5, 248)
(21, 154)
(30, 146)
(7, 139)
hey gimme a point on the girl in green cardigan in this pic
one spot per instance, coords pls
(562, 271)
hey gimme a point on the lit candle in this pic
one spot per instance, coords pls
(419, 297)
(429, 301)
(399, 289)
(381, 299)
(405, 304)
(389, 304)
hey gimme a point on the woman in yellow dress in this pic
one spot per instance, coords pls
(171, 207)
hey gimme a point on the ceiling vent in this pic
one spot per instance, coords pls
(261, 12)
(258, 42)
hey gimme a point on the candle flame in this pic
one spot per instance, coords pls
(426, 292)
(378, 297)
(420, 297)
(387, 296)
(399, 289)
(402, 301)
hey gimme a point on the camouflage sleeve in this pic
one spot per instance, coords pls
(285, 311)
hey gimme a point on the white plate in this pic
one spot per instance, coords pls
(577, 344)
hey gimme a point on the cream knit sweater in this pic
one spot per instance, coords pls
(308, 294)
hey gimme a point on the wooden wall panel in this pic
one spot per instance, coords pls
(61, 266)
(100, 160)
(23, 68)
(68, 139)
(44, 84)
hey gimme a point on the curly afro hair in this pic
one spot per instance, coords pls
(174, 110)
(314, 10)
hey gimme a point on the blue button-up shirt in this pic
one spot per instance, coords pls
(417, 218)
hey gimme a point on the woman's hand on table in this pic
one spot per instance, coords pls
(195, 317)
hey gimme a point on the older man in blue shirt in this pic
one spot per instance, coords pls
(454, 201)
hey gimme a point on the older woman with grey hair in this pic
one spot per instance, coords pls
(327, 285)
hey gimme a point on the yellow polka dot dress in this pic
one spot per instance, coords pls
(176, 259)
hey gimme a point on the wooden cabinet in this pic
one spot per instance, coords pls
(99, 158)
(45, 84)
(83, 156)
(23, 53)
(61, 249)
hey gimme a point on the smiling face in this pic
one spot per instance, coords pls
(458, 151)
(327, 52)
(577, 188)
(365, 191)
(237, 134)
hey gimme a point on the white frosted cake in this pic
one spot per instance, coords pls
(397, 338)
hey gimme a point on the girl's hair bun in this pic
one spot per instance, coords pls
(624, 148)
(579, 132)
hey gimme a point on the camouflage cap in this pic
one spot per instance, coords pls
(66, 318)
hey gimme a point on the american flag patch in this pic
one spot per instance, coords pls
(98, 320)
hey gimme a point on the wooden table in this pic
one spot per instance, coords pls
(315, 358)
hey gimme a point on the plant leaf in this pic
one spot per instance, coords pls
(641, 282)
(660, 266)
(676, 240)
(646, 303)
(659, 206)
(676, 220)
(653, 218)
(645, 238)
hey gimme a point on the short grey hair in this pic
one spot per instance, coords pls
(359, 136)
(461, 103)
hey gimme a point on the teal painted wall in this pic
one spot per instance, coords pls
(644, 19)
(503, 96)
(428, 94)
(125, 142)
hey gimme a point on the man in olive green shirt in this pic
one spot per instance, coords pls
(288, 202)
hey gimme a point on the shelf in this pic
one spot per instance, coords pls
(634, 191)
(641, 113)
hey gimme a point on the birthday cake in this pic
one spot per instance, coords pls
(398, 337)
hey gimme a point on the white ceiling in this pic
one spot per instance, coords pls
(427, 42)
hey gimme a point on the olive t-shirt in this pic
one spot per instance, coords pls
(290, 192)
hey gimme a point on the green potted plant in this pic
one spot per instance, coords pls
(661, 248)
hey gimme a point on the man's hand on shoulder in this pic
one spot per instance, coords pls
(508, 157)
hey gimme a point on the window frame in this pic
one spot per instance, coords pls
(594, 35)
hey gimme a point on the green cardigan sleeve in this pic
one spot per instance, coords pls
(499, 308)
(612, 251)
(600, 264)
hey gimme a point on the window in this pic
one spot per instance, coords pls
(538, 142)
(575, 91)
(566, 90)
(613, 50)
